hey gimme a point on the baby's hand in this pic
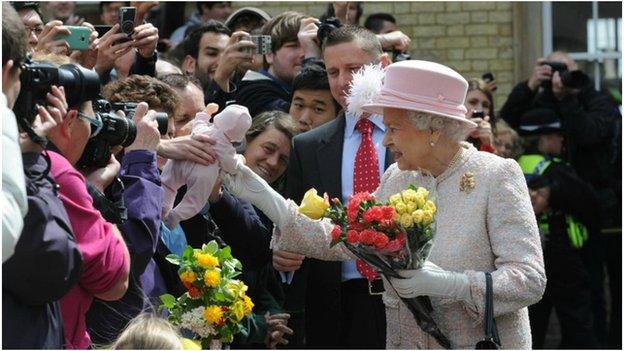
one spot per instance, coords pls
(211, 108)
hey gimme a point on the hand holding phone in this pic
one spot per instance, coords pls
(77, 39)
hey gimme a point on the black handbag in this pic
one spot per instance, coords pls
(491, 340)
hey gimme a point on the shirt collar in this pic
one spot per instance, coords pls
(287, 88)
(351, 121)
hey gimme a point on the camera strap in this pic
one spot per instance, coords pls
(113, 211)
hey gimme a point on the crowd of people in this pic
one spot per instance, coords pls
(93, 206)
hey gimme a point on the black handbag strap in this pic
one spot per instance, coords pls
(491, 332)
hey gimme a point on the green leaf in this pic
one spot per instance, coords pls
(226, 253)
(237, 264)
(212, 247)
(168, 300)
(174, 259)
(187, 253)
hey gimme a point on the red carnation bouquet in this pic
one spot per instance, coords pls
(390, 236)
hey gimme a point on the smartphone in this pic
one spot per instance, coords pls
(78, 37)
(126, 19)
(488, 77)
(103, 29)
(263, 44)
(478, 114)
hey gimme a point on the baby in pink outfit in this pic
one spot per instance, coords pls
(229, 126)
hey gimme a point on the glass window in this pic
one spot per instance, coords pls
(591, 33)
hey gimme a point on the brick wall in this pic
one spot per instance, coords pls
(471, 37)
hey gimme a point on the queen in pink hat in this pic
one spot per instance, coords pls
(485, 222)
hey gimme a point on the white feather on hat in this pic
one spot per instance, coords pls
(365, 86)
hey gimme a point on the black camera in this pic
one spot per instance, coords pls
(126, 19)
(80, 85)
(571, 79)
(398, 56)
(113, 130)
(325, 27)
(128, 108)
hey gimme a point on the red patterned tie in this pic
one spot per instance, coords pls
(365, 177)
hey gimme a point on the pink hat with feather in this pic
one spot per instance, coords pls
(423, 86)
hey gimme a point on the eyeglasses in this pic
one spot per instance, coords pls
(95, 122)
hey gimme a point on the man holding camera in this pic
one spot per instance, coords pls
(588, 119)
(40, 266)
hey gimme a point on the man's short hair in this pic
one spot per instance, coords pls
(14, 43)
(209, 5)
(191, 42)
(313, 77)
(137, 88)
(283, 28)
(374, 22)
(26, 5)
(368, 40)
(180, 81)
(102, 3)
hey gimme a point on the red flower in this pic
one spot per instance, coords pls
(335, 233)
(353, 237)
(368, 236)
(374, 213)
(352, 214)
(388, 213)
(193, 292)
(396, 245)
(381, 240)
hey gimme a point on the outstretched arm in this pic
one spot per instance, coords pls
(297, 232)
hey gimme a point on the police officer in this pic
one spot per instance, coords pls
(566, 210)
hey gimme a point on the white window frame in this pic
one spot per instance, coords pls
(598, 56)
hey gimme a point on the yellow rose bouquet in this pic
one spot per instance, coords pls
(390, 236)
(215, 303)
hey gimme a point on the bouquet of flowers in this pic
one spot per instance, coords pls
(215, 303)
(393, 236)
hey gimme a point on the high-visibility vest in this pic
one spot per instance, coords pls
(535, 165)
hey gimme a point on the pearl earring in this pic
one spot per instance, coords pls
(432, 143)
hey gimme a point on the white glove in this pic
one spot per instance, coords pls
(247, 185)
(432, 280)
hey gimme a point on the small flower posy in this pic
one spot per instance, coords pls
(215, 303)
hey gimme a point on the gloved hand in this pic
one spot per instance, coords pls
(249, 186)
(432, 280)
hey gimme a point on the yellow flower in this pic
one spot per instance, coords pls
(411, 207)
(249, 305)
(312, 205)
(427, 217)
(420, 200)
(237, 287)
(430, 206)
(188, 277)
(417, 216)
(238, 309)
(213, 314)
(400, 207)
(206, 260)
(424, 192)
(394, 199)
(212, 278)
(406, 220)
(408, 195)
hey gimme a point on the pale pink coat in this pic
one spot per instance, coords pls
(229, 126)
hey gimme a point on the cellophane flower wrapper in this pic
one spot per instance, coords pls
(392, 236)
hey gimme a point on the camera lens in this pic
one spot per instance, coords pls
(80, 84)
(163, 122)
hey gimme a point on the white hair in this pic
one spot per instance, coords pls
(453, 130)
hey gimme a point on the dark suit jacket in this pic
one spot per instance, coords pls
(316, 161)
